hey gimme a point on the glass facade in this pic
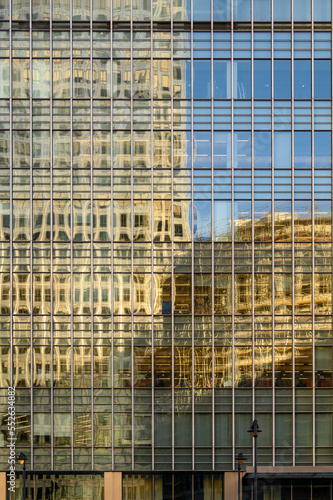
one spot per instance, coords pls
(166, 233)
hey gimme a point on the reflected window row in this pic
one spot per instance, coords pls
(165, 294)
(191, 221)
(198, 367)
(74, 80)
(162, 10)
(161, 43)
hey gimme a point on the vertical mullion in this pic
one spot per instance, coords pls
(331, 203)
(313, 237)
(51, 235)
(92, 240)
(314, 381)
(132, 239)
(272, 239)
(31, 242)
(192, 236)
(112, 238)
(11, 215)
(172, 263)
(233, 97)
(212, 232)
(293, 238)
(71, 229)
(252, 215)
(152, 233)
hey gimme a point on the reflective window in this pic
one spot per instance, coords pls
(221, 10)
(242, 10)
(201, 10)
(322, 79)
(222, 80)
(261, 10)
(282, 10)
(201, 79)
(302, 79)
(262, 79)
(302, 10)
(322, 10)
(242, 80)
(282, 79)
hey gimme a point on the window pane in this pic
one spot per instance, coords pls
(20, 10)
(21, 78)
(323, 365)
(61, 9)
(282, 150)
(302, 75)
(163, 421)
(201, 10)
(4, 78)
(203, 430)
(282, 79)
(322, 79)
(322, 10)
(222, 220)
(41, 78)
(261, 10)
(182, 10)
(283, 429)
(302, 149)
(183, 429)
(242, 79)
(4, 9)
(324, 429)
(41, 9)
(282, 10)
(262, 149)
(322, 150)
(303, 429)
(221, 10)
(202, 220)
(242, 10)
(201, 80)
(262, 79)
(302, 10)
(222, 80)
(102, 12)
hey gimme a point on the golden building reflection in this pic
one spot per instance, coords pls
(133, 293)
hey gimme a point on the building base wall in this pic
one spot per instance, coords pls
(231, 485)
(3, 491)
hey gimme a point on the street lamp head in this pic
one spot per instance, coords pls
(22, 458)
(240, 458)
(254, 429)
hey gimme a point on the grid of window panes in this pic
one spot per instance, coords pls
(166, 232)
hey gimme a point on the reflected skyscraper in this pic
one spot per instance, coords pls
(166, 246)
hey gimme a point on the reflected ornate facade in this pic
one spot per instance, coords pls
(165, 241)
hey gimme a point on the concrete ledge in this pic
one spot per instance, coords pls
(307, 469)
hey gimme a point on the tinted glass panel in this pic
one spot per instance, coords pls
(262, 79)
(282, 79)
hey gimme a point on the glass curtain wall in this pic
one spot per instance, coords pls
(166, 232)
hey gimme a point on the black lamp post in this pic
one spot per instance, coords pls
(240, 459)
(255, 431)
(22, 459)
